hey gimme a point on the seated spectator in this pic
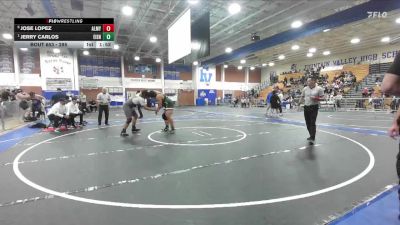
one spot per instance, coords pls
(247, 102)
(235, 102)
(93, 105)
(72, 111)
(365, 92)
(242, 102)
(57, 114)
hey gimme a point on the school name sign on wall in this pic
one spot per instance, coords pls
(383, 57)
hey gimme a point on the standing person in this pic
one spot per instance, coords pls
(139, 106)
(73, 111)
(311, 94)
(268, 100)
(275, 102)
(130, 112)
(391, 85)
(280, 95)
(83, 102)
(163, 102)
(57, 96)
(3, 99)
(103, 99)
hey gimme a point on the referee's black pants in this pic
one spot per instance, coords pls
(106, 112)
(310, 115)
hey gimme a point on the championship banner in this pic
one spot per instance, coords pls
(56, 65)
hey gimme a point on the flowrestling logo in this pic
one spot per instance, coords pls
(379, 15)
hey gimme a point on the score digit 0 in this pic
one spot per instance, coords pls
(108, 36)
(108, 27)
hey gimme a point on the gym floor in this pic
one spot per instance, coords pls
(222, 166)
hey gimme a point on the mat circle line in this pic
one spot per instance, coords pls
(244, 135)
(192, 206)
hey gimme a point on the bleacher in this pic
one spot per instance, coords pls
(360, 71)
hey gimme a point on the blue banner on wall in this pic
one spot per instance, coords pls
(211, 95)
(102, 66)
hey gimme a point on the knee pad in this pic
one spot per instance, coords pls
(129, 120)
(164, 116)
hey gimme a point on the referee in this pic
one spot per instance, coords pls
(311, 94)
(103, 99)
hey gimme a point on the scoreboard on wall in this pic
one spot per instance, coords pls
(64, 32)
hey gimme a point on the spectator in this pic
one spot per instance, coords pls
(275, 102)
(92, 105)
(83, 102)
(365, 92)
(280, 95)
(57, 96)
(268, 101)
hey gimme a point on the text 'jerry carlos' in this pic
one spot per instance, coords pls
(39, 37)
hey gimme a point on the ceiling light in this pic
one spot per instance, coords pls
(355, 40)
(398, 20)
(271, 64)
(127, 10)
(158, 60)
(195, 63)
(56, 50)
(196, 45)
(193, 2)
(243, 61)
(153, 39)
(240, 67)
(116, 47)
(24, 49)
(264, 64)
(228, 50)
(312, 50)
(385, 39)
(297, 24)
(252, 68)
(7, 36)
(326, 30)
(137, 58)
(225, 66)
(85, 52)
(309, 54)
(234, 8)
(326, 53)
(295, 47)
(281, 57)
